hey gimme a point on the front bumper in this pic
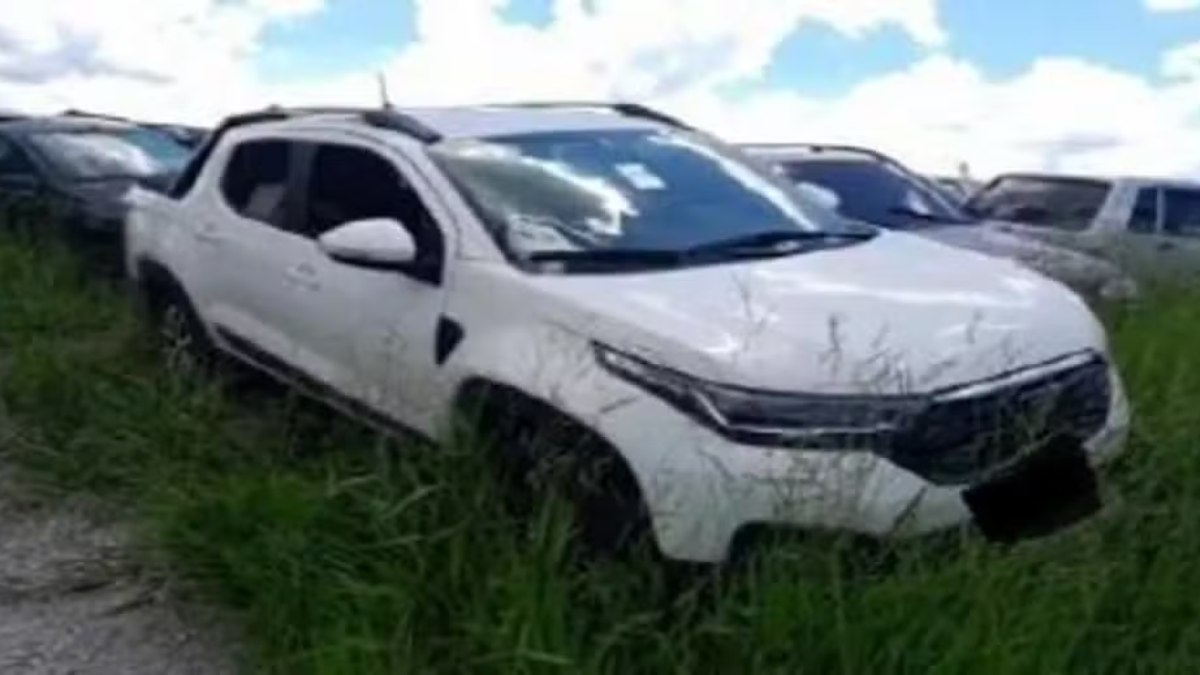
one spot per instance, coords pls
(702, 489)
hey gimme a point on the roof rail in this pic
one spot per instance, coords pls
(627, 109)
(383, 118)
(73, 112)
(821, 147)
(390, 118)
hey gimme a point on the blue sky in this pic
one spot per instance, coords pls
(1108, 86)
(1001, 37)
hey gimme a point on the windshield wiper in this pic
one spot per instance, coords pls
(760, 244)
(772, 241)
(926, 216)
(635, 257)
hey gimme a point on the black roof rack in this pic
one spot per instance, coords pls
(624, 108)
(73, 112)
(390, 118)
(383, 118)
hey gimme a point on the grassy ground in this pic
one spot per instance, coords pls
(347, 554)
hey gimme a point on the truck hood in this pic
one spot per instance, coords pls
(896, 314)
(1085, 273)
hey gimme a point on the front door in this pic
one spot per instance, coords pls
(368, 333)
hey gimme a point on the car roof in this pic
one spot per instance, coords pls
(1133, 181)
(815, 151)
(58, 123)
(486, 121)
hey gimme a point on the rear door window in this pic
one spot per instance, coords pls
(1058, 203)
(256, 179)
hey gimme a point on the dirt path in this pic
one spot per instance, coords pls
(76, 597)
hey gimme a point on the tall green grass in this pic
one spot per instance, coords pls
(346, 553)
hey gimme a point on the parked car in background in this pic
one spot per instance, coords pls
(1149, 225)
(709, 352)
(865, 185)
(189, 136)
(82, 168)
(959, 190)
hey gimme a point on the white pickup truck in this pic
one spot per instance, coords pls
(665, 313)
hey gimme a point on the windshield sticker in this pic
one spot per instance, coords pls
(640, 177)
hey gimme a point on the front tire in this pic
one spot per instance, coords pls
(542, 454)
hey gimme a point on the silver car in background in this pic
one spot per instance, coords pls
(1149, 226)
(868, 186)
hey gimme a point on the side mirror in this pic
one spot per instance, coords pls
(381, 243)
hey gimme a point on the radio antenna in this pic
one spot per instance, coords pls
(383, 90)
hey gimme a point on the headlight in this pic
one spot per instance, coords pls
(764, 417)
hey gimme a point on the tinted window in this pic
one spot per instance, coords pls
(1060, 203)
(351, 183)
(117, 153)
(619, 190)
(876, 192)
(1145, 212)
(1182, 217)
(255, 181)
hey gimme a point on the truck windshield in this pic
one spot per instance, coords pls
(607, 191)
(98, 154)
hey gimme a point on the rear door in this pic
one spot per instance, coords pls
(247, 250)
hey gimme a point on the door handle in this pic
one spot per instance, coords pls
(304, 275)
(207, 233)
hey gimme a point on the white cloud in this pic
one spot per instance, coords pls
(1183, 62)
(193, 59)
(1061, 114)
(163, 59)
(1172, 5)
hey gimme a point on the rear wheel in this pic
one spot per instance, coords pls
(181, 337)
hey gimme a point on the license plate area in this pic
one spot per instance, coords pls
(1049, 489)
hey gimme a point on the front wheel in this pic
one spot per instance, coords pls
(543, 454)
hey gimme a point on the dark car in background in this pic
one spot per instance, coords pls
(76, 172)
(868, 186)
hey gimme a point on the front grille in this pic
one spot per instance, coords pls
(958, 441)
